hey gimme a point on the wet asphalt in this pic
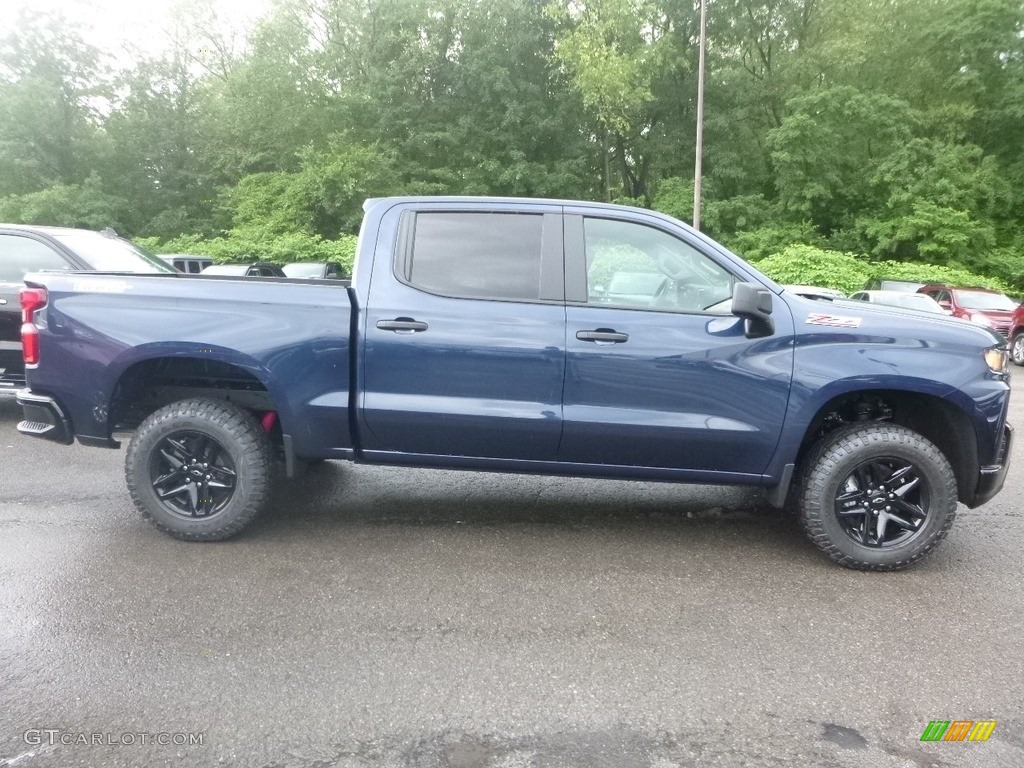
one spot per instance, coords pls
(418, 619)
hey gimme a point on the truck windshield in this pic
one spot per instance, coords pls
(113, 254)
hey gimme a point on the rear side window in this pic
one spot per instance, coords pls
(477, 255)
(21, 255)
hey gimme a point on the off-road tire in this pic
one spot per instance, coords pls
(836, 458)
(244, 450)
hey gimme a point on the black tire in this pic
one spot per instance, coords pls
(876, 496)
(1017, 349)
(210, 459)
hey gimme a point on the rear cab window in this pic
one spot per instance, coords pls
(477, 255)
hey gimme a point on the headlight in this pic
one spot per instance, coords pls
(980, 319)
(997, 359)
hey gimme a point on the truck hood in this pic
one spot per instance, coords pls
(877, 319)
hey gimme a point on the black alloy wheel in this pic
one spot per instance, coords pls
(883, 503)
(192, 474)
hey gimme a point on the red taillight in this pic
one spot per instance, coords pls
(32, 299)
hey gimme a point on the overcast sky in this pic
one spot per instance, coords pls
(108, 23)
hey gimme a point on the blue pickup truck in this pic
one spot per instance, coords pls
(487, 334)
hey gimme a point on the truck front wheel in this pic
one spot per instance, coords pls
(877, 496)
(199, 469)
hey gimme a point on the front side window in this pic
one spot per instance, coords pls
(638, 267)
(21, 255)
(477, 255)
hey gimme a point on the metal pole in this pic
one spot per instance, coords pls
(697, 169)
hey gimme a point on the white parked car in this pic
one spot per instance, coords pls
(902, 299)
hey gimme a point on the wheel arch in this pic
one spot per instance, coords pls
(161, 375)
(938, 419)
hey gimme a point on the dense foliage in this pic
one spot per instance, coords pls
(863, 130)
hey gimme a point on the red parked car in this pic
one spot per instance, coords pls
(978, 305)
(1017, 335)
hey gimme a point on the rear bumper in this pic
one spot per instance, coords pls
(11, 383)
(43, 418)
(992, 476)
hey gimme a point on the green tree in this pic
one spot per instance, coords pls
(51, 85)
(827, 148)
(66, 205)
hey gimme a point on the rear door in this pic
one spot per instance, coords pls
(464, 346)
(660, 374)
(19, 255)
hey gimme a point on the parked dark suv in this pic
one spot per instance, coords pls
(25, 249)
(979, 305)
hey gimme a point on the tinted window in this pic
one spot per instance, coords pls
(477, 255)
(634, 266)
(20, 255)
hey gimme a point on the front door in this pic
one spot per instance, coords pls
(658, 372)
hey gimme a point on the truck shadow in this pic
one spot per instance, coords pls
(339, 497)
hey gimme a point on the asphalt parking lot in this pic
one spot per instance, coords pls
(388, 617)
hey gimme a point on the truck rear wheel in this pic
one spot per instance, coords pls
(877, 496)
(199, 469)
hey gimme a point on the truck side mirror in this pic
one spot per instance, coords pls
(753, 302)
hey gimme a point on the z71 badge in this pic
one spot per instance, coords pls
(835, 321)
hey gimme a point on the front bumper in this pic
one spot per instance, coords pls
(992, 476)
(44, 418)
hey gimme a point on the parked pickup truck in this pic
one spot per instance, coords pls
(473, 337)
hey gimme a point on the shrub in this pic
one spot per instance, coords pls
(934, 273)
(809, 265)
(250, 245)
